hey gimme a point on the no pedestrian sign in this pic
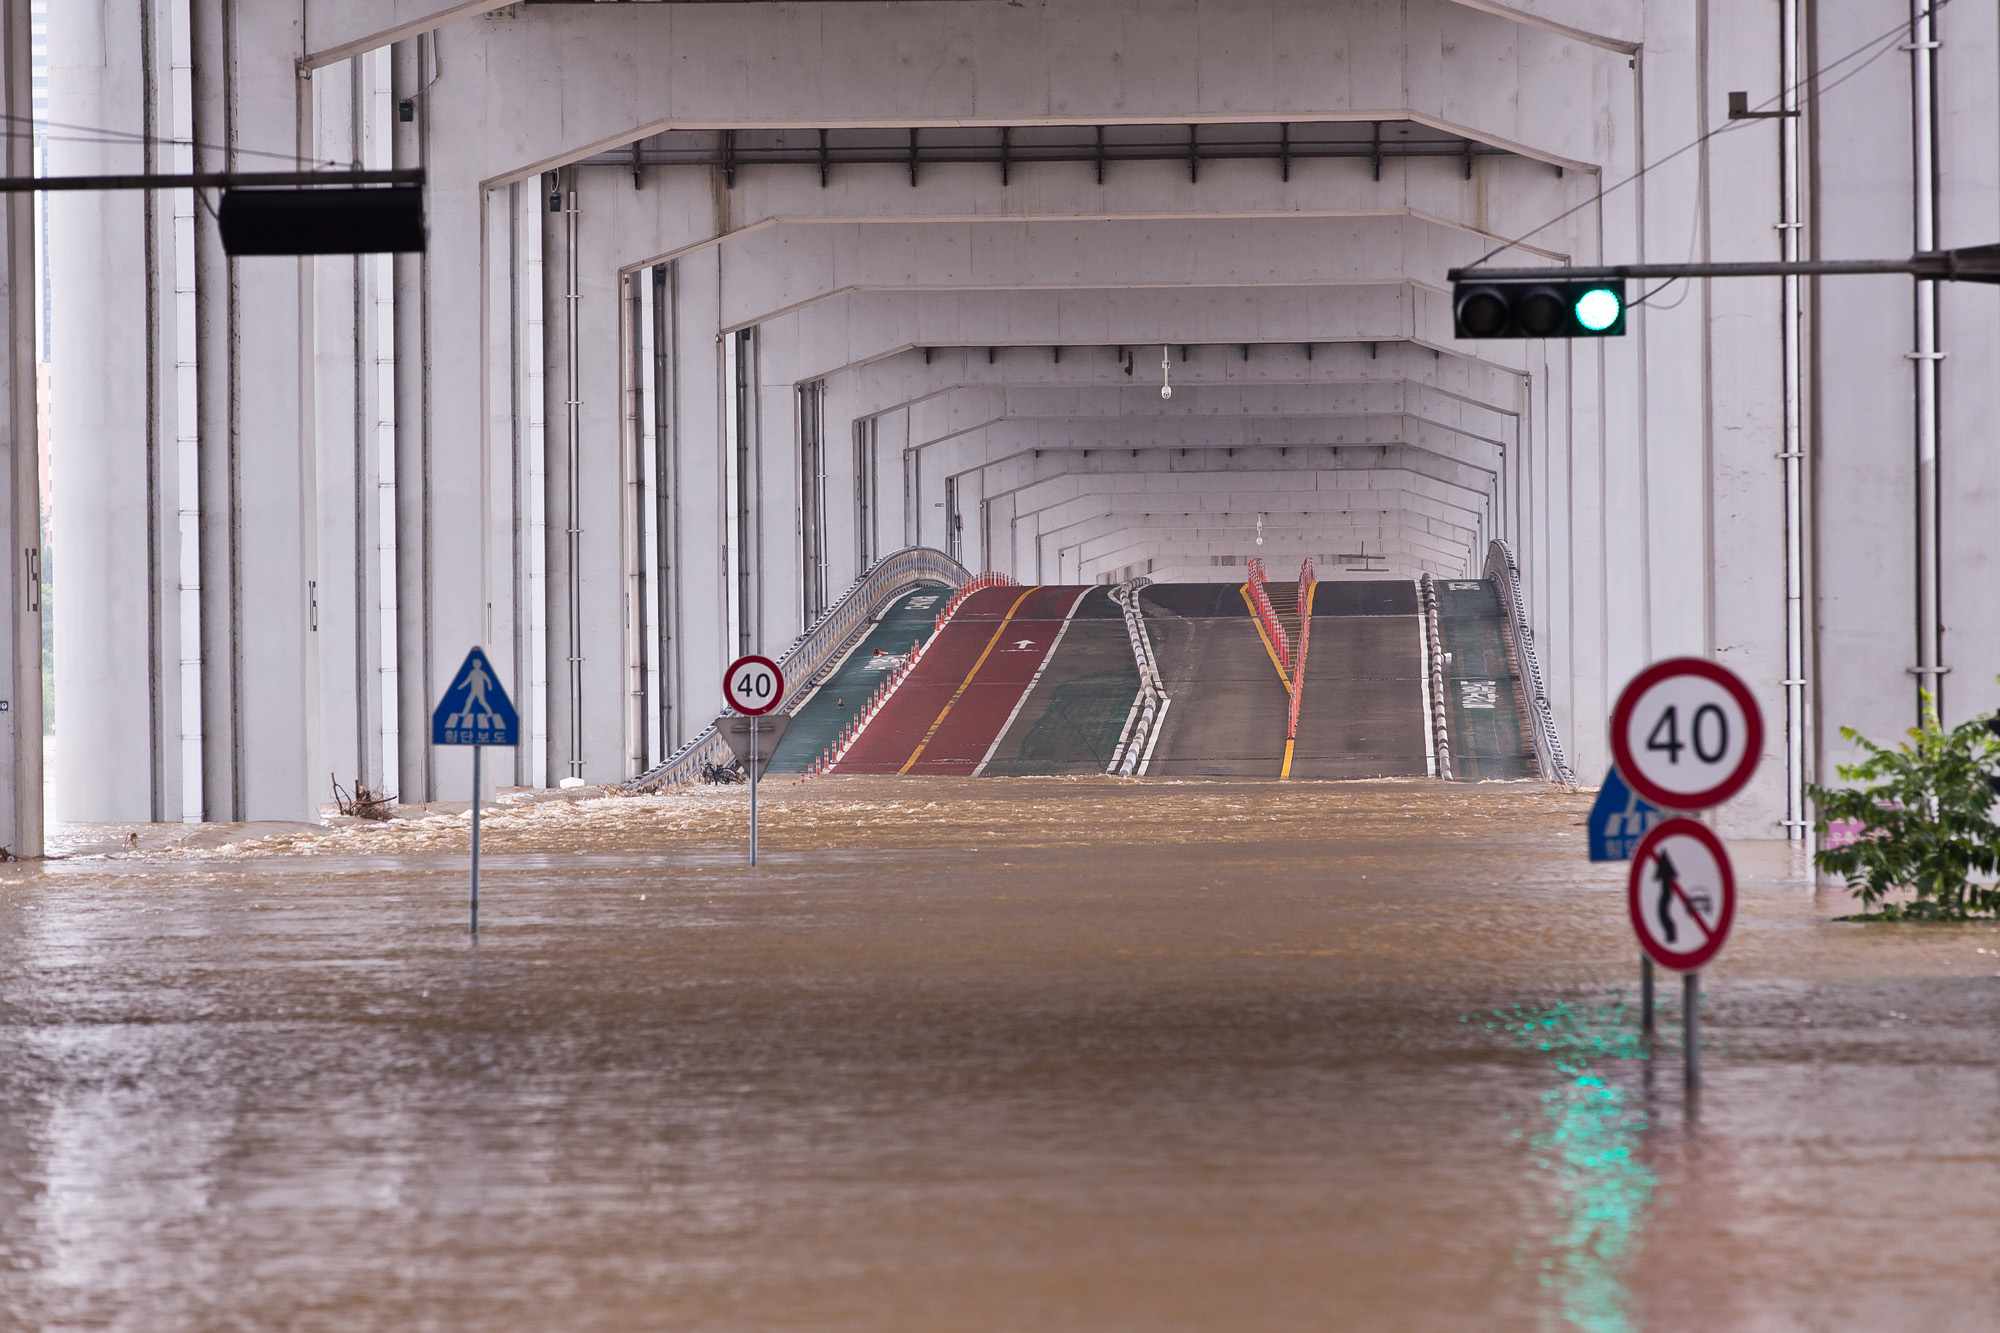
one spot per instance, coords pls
(1686, 734)
(1682, 894)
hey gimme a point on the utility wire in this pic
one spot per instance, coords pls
(38, 129)
(1901, 28)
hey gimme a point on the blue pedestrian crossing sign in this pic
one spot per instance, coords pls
(1619, 819)
(475, 710)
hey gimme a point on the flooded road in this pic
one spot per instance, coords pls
(998, 1054)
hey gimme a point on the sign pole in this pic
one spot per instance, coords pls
(475, 839)
(752, 687)
(1691, 1028)
(1646, 996)
(475, 711)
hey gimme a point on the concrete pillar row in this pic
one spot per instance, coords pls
(249, 663)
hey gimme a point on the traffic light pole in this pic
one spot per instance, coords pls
(207, 180)
(1979, 263)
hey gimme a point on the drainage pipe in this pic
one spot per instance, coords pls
(573, 517)
(1791, 227)
(1930, 666)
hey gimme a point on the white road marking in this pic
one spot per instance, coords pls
(1033, 681)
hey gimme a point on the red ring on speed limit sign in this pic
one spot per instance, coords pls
(1638, 771)
(748, 673)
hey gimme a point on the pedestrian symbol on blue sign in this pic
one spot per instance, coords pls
(1619, 819)
(475, 710)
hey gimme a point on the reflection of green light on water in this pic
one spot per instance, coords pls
(1590, 1148)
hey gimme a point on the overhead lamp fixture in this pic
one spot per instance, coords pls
(1166, 389)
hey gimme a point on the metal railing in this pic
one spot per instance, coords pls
(1307, 577)
(1260, 602)
(988, 579)
(1150, 708)
(818, 648)
(1428, 588)
(1505, 572)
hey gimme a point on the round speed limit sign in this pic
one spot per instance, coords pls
(1686, 734)
(754, 685)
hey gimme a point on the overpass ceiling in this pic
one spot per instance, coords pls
(1348, 274)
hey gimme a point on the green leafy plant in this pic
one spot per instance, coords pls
(1924, 813)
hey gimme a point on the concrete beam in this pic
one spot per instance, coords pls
(783, 268)
(339, 32)
(991, 63)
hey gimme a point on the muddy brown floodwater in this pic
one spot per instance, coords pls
(1004, 1054)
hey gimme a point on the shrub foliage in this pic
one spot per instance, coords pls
(1925, 813)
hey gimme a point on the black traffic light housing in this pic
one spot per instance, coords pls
(1538, 309)
(322, 221)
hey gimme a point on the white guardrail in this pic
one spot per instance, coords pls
(1505, 571)
(818, 649)
(1150, 708)
(1428, 588)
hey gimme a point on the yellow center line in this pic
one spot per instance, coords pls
(955, 694)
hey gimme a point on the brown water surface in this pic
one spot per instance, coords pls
(1000, 1054)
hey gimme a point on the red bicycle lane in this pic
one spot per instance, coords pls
(984, 701)
(895, 732)
(946, 716)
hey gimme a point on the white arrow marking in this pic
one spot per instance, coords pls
(1025, 643)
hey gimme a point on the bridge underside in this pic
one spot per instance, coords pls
(723, 304)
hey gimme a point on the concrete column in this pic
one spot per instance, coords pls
(110, 258)
(20, 481)
(1744, 368)
(416, 776)
(1860, 452)
(701, 504)
(778, 544)
(215, 391)
(605, 546)
(258, 464)
(468, 490)
(1969, 394)
(842, 539)
(347, 588)
(565, 704)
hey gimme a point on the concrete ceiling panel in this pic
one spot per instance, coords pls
(779, 269)
(909, 377)
(852, 328)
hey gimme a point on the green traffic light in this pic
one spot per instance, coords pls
(1598, 309)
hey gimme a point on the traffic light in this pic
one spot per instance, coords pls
(1538, 309)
